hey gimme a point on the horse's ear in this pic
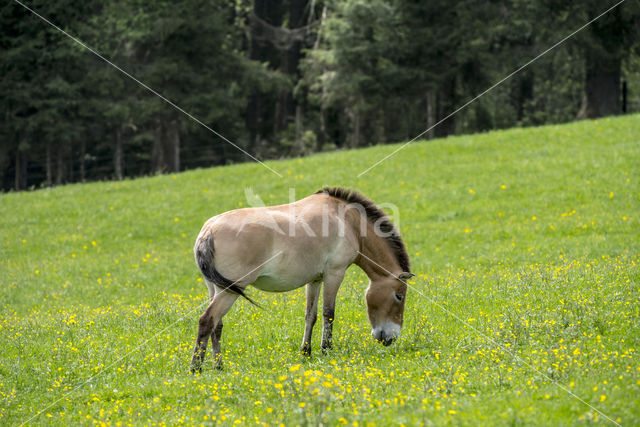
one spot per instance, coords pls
(406, 275)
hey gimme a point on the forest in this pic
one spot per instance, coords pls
(106, 90)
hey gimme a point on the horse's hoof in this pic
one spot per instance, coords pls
(217, 363)
(306, 351)
(195, 369)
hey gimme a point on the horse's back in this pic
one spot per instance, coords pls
(287, 245)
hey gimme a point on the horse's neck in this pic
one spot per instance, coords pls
(376, 257)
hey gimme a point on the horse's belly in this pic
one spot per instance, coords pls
(272, 284)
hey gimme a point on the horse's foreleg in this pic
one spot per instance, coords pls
(332, 282)
(313, 291)
(211, 323)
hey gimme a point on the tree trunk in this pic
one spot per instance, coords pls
(380, 136)
(60, 165)
(117, 156)
(299, 149)
(525, 93)
(322, 138)
(172, 146)
(21, 170)
(48, 166)
(83, 153)
(157, 151)
(286, 107)
(602, 86)
(355, 123)
(603, 66)
(260, 111)
(431, 118)
(253, 122)
(282, 112)
(446, 104)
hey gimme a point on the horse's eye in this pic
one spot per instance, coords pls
(398, 297)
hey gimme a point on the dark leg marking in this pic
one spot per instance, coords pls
(216, 336)
(205, 327)
(327, 332)
(310, 320)
(311, 315)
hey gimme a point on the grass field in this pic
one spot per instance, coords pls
(524, 310)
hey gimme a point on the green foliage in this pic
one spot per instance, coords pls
(59, 94)
(525, 247)
(264, 74)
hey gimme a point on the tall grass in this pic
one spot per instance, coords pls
(525, 307)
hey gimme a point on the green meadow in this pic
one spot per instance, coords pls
(525, 308)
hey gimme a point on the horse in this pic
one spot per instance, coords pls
(307, 242)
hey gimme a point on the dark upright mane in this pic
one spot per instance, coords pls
(374, 213)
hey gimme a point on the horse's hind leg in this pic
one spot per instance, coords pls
(313, 291)
(212, 289)
(215, 346)
(211, 323)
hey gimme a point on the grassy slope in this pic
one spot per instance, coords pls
(530, 236)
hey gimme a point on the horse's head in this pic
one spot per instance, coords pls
(385, 306)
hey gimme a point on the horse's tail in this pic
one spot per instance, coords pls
(204, 258)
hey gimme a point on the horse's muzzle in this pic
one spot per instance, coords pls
(387, 341)
(385, 337)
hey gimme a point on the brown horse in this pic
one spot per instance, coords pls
(313, 240)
